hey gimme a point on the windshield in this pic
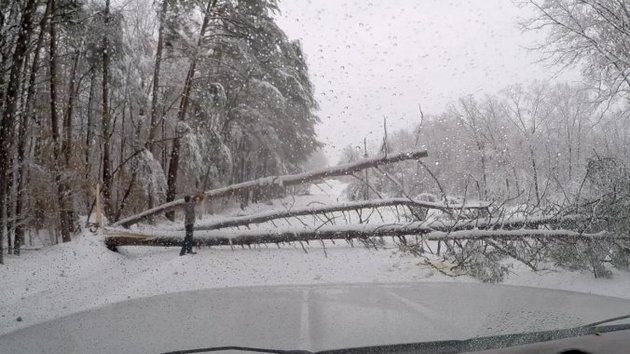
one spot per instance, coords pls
(158, 147)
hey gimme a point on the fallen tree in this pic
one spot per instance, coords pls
(464, 231)
(335, 208)
(285, 181)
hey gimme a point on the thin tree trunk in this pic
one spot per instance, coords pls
(7, 202)
(164, 145)
(173, 166)
(10, 102)
(156, 81)
(536, 187)
(2, 220)
(90, 122)
(484, 175)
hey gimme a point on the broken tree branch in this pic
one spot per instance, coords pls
(363, 204)
(286, 180)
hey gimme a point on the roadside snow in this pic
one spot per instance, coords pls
(83, 274)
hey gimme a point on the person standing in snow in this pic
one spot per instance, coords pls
(189, 222)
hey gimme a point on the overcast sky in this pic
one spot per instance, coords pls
(375, 59)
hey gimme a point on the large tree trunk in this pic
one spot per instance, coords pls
(67, 120)
(105, 125)
(115, 238)
(10, 102)
(63, 189)
(66, 147)
(275, 181)
(173, 166)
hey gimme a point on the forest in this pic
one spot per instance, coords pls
(149, 99)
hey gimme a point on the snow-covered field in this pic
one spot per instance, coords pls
(83, 274)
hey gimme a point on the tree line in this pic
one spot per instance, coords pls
(533, 144)
(151, 100)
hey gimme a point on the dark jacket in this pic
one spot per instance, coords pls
(189, 213)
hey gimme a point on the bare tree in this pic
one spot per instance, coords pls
(528, 111)
(590, 33)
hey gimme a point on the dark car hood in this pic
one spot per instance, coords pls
(313, 317)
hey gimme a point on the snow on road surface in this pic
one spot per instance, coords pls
(66, 278)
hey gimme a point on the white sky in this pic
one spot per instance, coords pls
(375, 59)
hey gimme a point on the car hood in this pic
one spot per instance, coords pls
(314, 317)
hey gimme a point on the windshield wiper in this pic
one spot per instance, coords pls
(231, 347)
(609, 320)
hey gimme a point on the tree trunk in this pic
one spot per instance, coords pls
(173, 166)
(156, 81)
(484, 175)
(115, 238)
(533, 161)
(62, 186)
(105, 124)
(66, 148)
(10, 102)
(67, 121)
(7, 205)
(2, 219)
(90, 123)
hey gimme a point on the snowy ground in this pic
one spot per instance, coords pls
(83, 274)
